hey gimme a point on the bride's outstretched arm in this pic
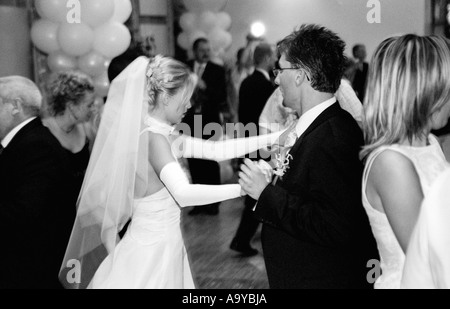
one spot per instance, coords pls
(191, 147)
(175, 180)
(187, 194)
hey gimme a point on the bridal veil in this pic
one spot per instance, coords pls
(117, 172)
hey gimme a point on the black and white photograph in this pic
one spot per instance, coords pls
(224, 149)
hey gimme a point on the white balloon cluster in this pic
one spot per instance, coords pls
(205, 20)
(82, 35)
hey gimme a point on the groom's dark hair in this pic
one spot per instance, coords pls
(320, 52)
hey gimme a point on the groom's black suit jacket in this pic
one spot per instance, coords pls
(315, 231)
(36, 217)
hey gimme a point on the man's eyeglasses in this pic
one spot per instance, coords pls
(279, 70)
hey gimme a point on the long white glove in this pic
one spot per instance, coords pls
(186, 194)
(227, 149)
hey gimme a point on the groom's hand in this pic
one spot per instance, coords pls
(252, 179)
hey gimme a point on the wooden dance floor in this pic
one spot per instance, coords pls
(214, 265)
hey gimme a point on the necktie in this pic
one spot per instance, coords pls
(200, 69)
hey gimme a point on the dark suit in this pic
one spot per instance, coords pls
(315, 231)
(254, 92)
(208, 103)
(360, 81)
(35, 214)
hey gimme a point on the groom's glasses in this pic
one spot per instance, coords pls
(279, 70)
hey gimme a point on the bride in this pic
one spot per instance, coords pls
(134, 173)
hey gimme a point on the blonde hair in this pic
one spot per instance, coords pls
(167, 76)
(409, 80)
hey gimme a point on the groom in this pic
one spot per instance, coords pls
(315, 231)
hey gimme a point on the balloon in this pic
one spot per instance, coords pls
(223, 20)
(101, 84)
(112, 39)
(44, 34)
(58, 61)
(54, 10)
(122, 10)
(183, 40)
(96, 12)
(204, 5)
(93, 63)
(220, 38)
(188, 21)
(75, 39)
(207, 21)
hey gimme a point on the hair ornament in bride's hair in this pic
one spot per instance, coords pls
(154, 64)
(155, 71)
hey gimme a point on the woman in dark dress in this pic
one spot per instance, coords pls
(71, 103)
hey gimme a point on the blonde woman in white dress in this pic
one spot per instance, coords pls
(134, 173)
(408, 95)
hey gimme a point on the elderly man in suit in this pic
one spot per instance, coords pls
(36, 223)
(208, 102)
(315, 231)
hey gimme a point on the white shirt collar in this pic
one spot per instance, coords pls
(308, 118)
(264, 72)
(9, 137)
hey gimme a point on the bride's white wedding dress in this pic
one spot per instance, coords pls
(152, 254)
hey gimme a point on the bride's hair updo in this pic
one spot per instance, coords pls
(167, 76)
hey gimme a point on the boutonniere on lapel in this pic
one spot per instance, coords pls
(283, 157)
(282, 164)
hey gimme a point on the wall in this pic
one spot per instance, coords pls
(159, 27)
(346, 17)
(15, 48)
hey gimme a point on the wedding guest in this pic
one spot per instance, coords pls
(235, 75)
(70, 100)
(253, 95)
(408, 94)
(361, 70)
(315, 232)
(36, 221)
(208, 101)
